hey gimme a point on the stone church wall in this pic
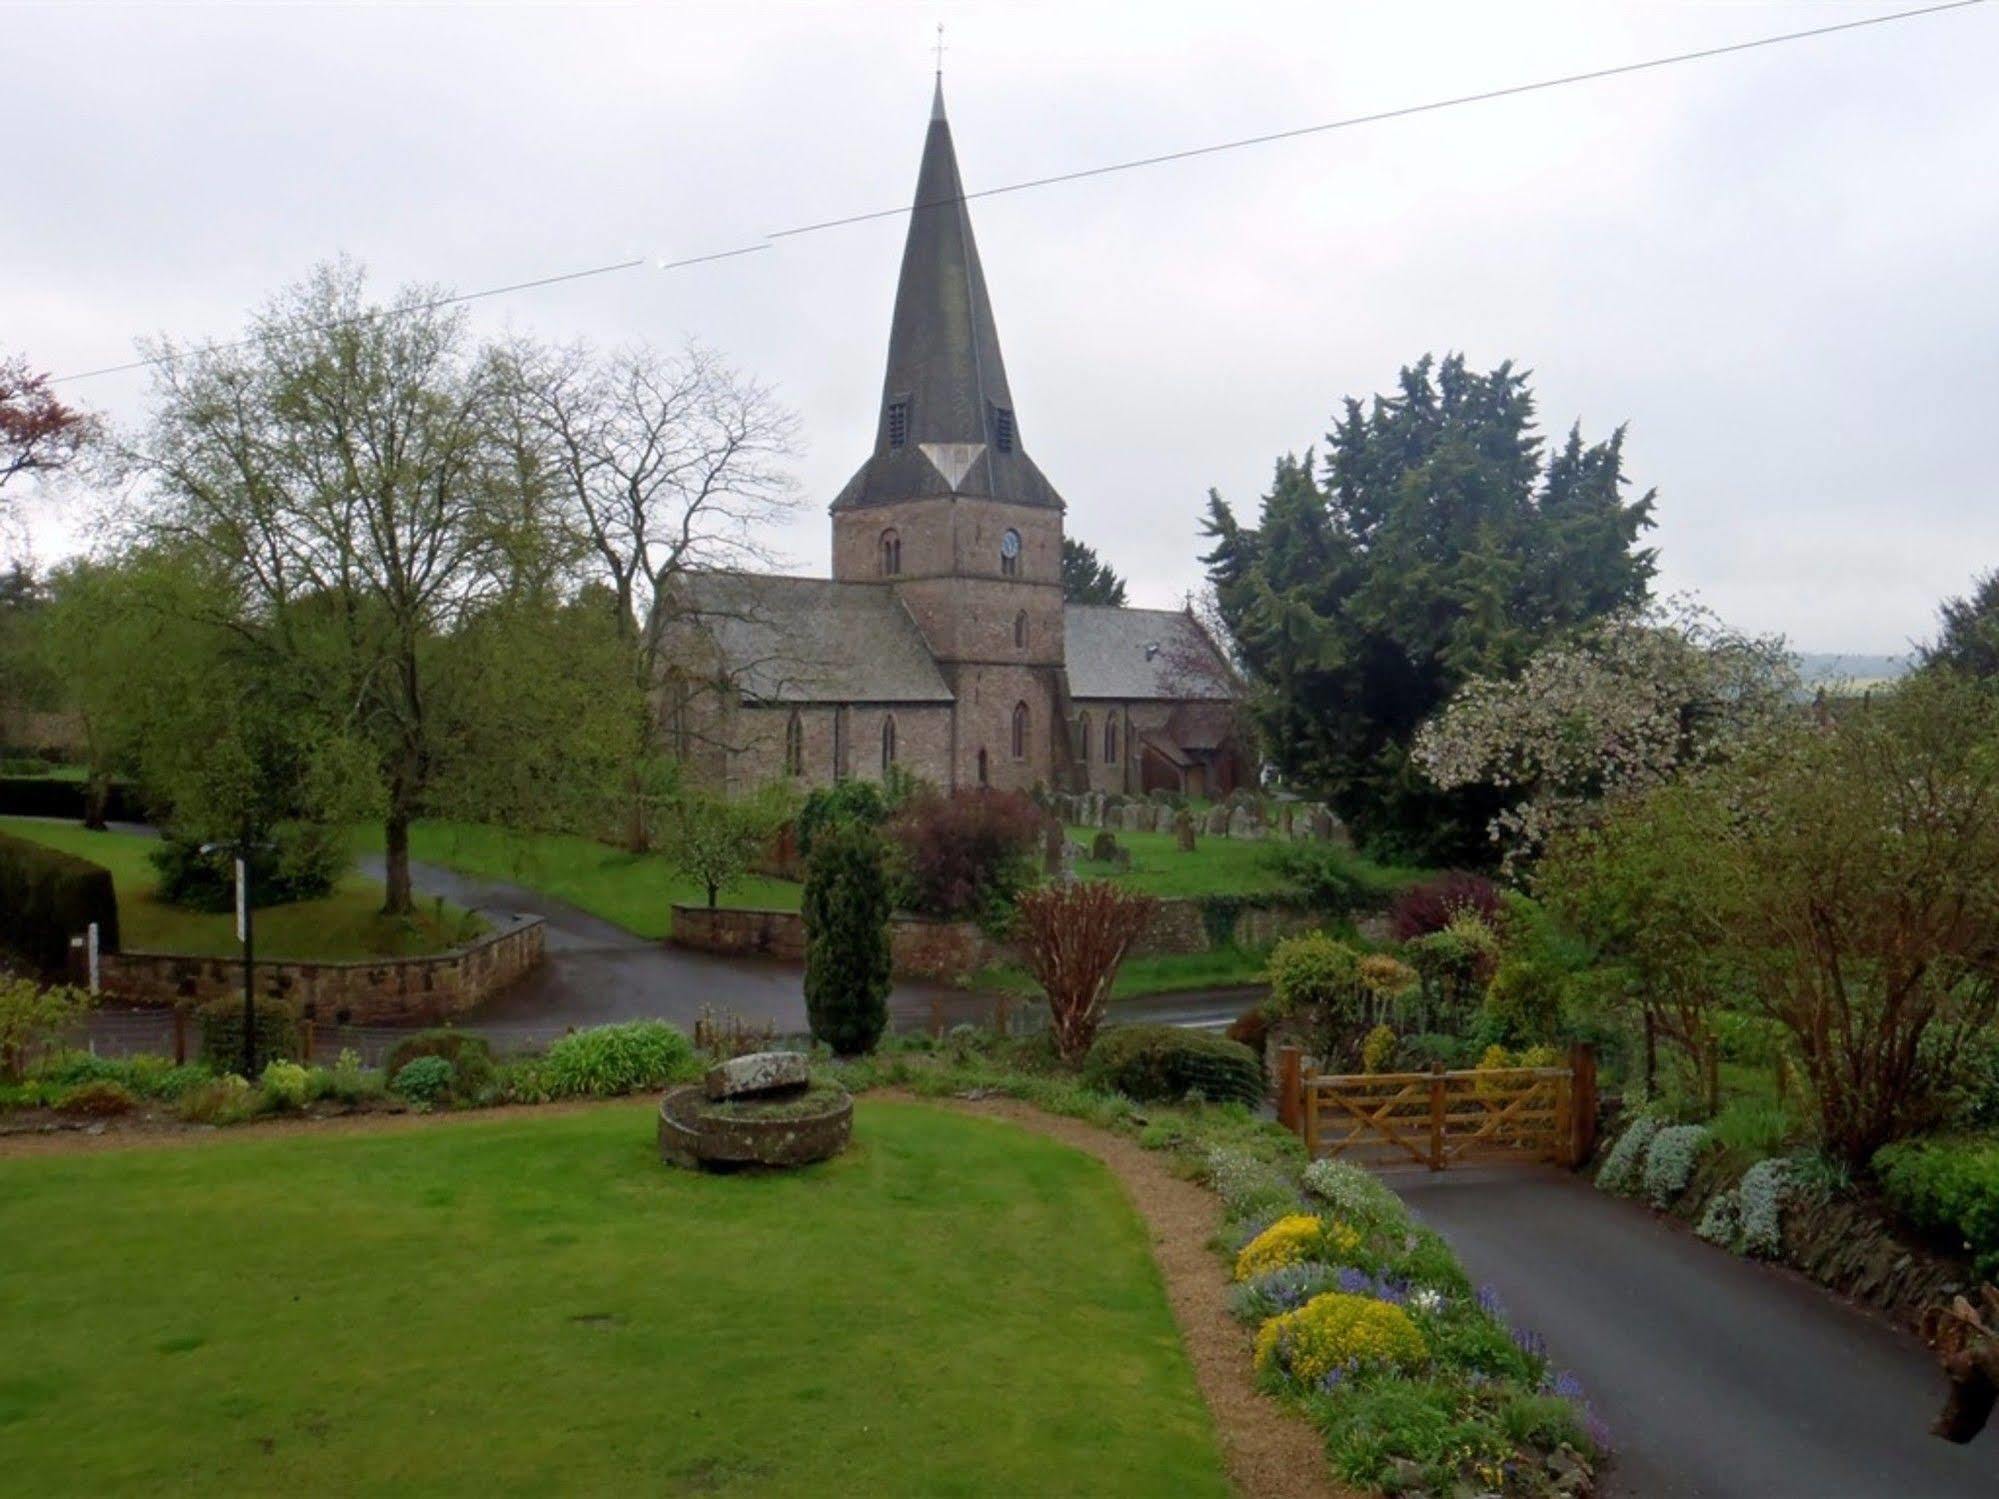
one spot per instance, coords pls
(922, 742)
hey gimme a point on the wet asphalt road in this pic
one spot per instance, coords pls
(1719, 1377)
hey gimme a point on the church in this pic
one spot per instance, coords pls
(942, 644)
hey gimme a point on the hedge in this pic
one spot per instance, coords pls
(1164, 1063)
(1949, 1188)
(47, 897)
(47, 796)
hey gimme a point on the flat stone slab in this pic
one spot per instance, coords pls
(759, 1072)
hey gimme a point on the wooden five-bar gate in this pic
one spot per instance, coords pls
(1439, 1118)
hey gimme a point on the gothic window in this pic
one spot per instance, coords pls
(891, 552)
(1083, 736)
(794, 745)
(1020, 731)
(898, 422)
(840, 743)
(1003, 428)
(984, 778)
(1020, 630)
(1010, 554)
(1110, 741)
(888, 744)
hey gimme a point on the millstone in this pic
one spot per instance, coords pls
(758, 1073)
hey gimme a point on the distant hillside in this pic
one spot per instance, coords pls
(1827, 666)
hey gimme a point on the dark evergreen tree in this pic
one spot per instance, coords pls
(1431, 545)
(1086, 580)
(1968, 640)
(846, 906)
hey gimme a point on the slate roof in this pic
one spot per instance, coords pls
(805, 640)
(944, 360)
(1139, 654)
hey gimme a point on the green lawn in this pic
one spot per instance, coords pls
(636, 891)
(346, 924)
(1163, 973)
(1217, 866)
(537, 1306)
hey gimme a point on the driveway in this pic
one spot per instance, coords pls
(1718, 1376)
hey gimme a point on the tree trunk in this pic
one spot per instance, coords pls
(96, 798)
(713, 892)
(396, 856)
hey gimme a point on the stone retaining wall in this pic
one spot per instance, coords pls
(377, 991)
(949, 950)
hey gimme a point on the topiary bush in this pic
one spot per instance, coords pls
(1948, 1188)
(47, 897)
(610, 1060)
(425, 1082)
(846, 911)
(1164, 1063)
(222, 1034)
(470, 1058)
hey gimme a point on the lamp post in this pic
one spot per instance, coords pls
(241, 851)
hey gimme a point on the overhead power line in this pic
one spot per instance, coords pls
(1083, 173)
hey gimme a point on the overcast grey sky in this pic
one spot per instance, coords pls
(1778, 267)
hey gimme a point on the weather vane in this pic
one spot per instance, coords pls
(940, 49)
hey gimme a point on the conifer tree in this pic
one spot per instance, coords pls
(1085, 578)
(846, 907)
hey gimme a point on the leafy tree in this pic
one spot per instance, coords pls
(1433, 545)
(34, 1018)
(846, 908)
(39, 435)
(1629, 704)
(1968, 635)
(715, 840)
(1085, 579)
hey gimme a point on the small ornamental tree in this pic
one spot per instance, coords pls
(1074, 938)
(846, 909)
(34, 1018)
(714, 841)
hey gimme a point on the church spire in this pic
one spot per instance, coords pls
(946, 424)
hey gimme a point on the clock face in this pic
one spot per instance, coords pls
(1010, 544)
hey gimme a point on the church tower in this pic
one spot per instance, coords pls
(950, 512)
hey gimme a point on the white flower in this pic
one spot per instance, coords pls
(1427, 1300)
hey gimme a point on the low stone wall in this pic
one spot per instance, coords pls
(949, 950)
(377, 991)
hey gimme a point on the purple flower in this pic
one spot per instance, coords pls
(1490, 1304)
(1332, 1379)
(1386, 1288)
(1530, 1343)
(1563, 1383)
(1598, 1431)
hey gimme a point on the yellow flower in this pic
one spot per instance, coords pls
(1334, 1330)
(1293, 1240)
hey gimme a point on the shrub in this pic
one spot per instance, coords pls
(33, 1018)
(1625, 1161)
(284, 1085)
(1248, 1185)
(303, 864)
(1251, 1028)
(614, 1059)
(97, 1100)
(846, 911)
(1750, 1218)
(1752, 1127)
(1430, 906)
(1164, 1063)
(50, 896)
(842, 803)
(1073, 938)
(1338, 1331)
(1420, 1051)
(222, 1034)
(1524, 1000)
(221, 1100)
(1314, 974)
(1328, 877)
(1948, 1188)
(968, 853)
(1670, 1160)
(1378, 1049)
(470, 1057)
(348, 1081)
(1355, 1196)
(1292, 1240)
(1278, 1291)
(424, 1082)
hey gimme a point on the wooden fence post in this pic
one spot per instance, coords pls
(1311, 1113)
(180, 1036)
(1582, 1103)
(936, 1019)
(1289, 1059)
(1436, 1116)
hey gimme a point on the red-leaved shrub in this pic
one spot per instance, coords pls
(1429, 907)
(965, 854)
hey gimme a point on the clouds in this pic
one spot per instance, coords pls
(1775, 266)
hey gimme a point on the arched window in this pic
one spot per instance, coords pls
(1110, 741)
(1083, 736)
(794, 745)
(888, 744)
(1010, 554)
(1020, 630)
(1020, 731)
(984, 778)
(840, 743)
(891, 553)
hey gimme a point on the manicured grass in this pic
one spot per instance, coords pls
(536, 1305)
(635, 891)
(344, 925)
(1217, 866)
(1165, 973)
